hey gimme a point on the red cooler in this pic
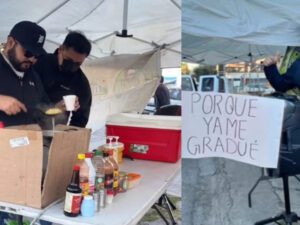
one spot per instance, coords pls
(147, 137)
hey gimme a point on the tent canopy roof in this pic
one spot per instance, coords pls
(217, 32)
(152, 23)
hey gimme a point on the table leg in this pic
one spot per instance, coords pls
(20, 219)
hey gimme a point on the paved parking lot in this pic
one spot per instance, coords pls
(215, 191)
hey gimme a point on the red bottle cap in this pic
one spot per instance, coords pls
(109, 192)
(76, 168)
(1, 124)
(88, 155)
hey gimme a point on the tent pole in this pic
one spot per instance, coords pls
(150, 43)
(172, 50)
(125, 17)
(106, 36)
(52, 11)
(176, 4)
(174, 42)
(58, 44)
(141, 40)
(125, 14)
(94, 9)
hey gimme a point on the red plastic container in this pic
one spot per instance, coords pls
(147, 137)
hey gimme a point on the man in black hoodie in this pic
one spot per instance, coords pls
(61, 75)
(21, 89)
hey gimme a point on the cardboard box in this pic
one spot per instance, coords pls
(21, 163)
(147, 137)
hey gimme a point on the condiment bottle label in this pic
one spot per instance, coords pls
(85, 187)
(99, 183)
(72, 202)
(116, 175)
(109, 180)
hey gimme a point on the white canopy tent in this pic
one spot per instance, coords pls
(154, 24)
(218, 32)
(131, 41)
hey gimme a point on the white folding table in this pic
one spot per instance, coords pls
(127, 208)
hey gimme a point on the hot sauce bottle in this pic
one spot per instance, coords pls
(73, 195)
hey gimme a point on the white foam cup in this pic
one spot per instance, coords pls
(70, 102)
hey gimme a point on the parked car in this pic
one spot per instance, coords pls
(175, 95)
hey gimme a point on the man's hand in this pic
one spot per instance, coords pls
(77, 105)
(272, 60)
(62, 106)
(10, 105)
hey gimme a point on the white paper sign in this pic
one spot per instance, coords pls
(239, 127)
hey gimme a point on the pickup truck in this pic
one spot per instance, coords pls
(188, 83)
(213, 83)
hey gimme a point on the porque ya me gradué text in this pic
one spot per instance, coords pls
(224, 121)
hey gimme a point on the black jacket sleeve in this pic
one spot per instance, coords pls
(277, 81)
(285, 81)
(80, 117)
(293, 74)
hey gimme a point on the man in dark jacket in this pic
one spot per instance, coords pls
(61, 75)
(20, 88)
(162, 95)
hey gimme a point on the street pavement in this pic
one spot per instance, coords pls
(215, 192)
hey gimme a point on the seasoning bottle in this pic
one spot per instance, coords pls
(123, 182)
(109, 178)
(119, 148)
(84, 175)
(109, 196)
(96, 197)
(109, 172)
(73, 195)
(100, 194)
(91, 172)
(109, 145)
(116, 171)
(102, 200)
(98, 162)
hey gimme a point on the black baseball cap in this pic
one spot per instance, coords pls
(30, 35)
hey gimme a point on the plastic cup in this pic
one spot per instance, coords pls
(70, 102)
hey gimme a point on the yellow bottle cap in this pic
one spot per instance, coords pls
(81, 156)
